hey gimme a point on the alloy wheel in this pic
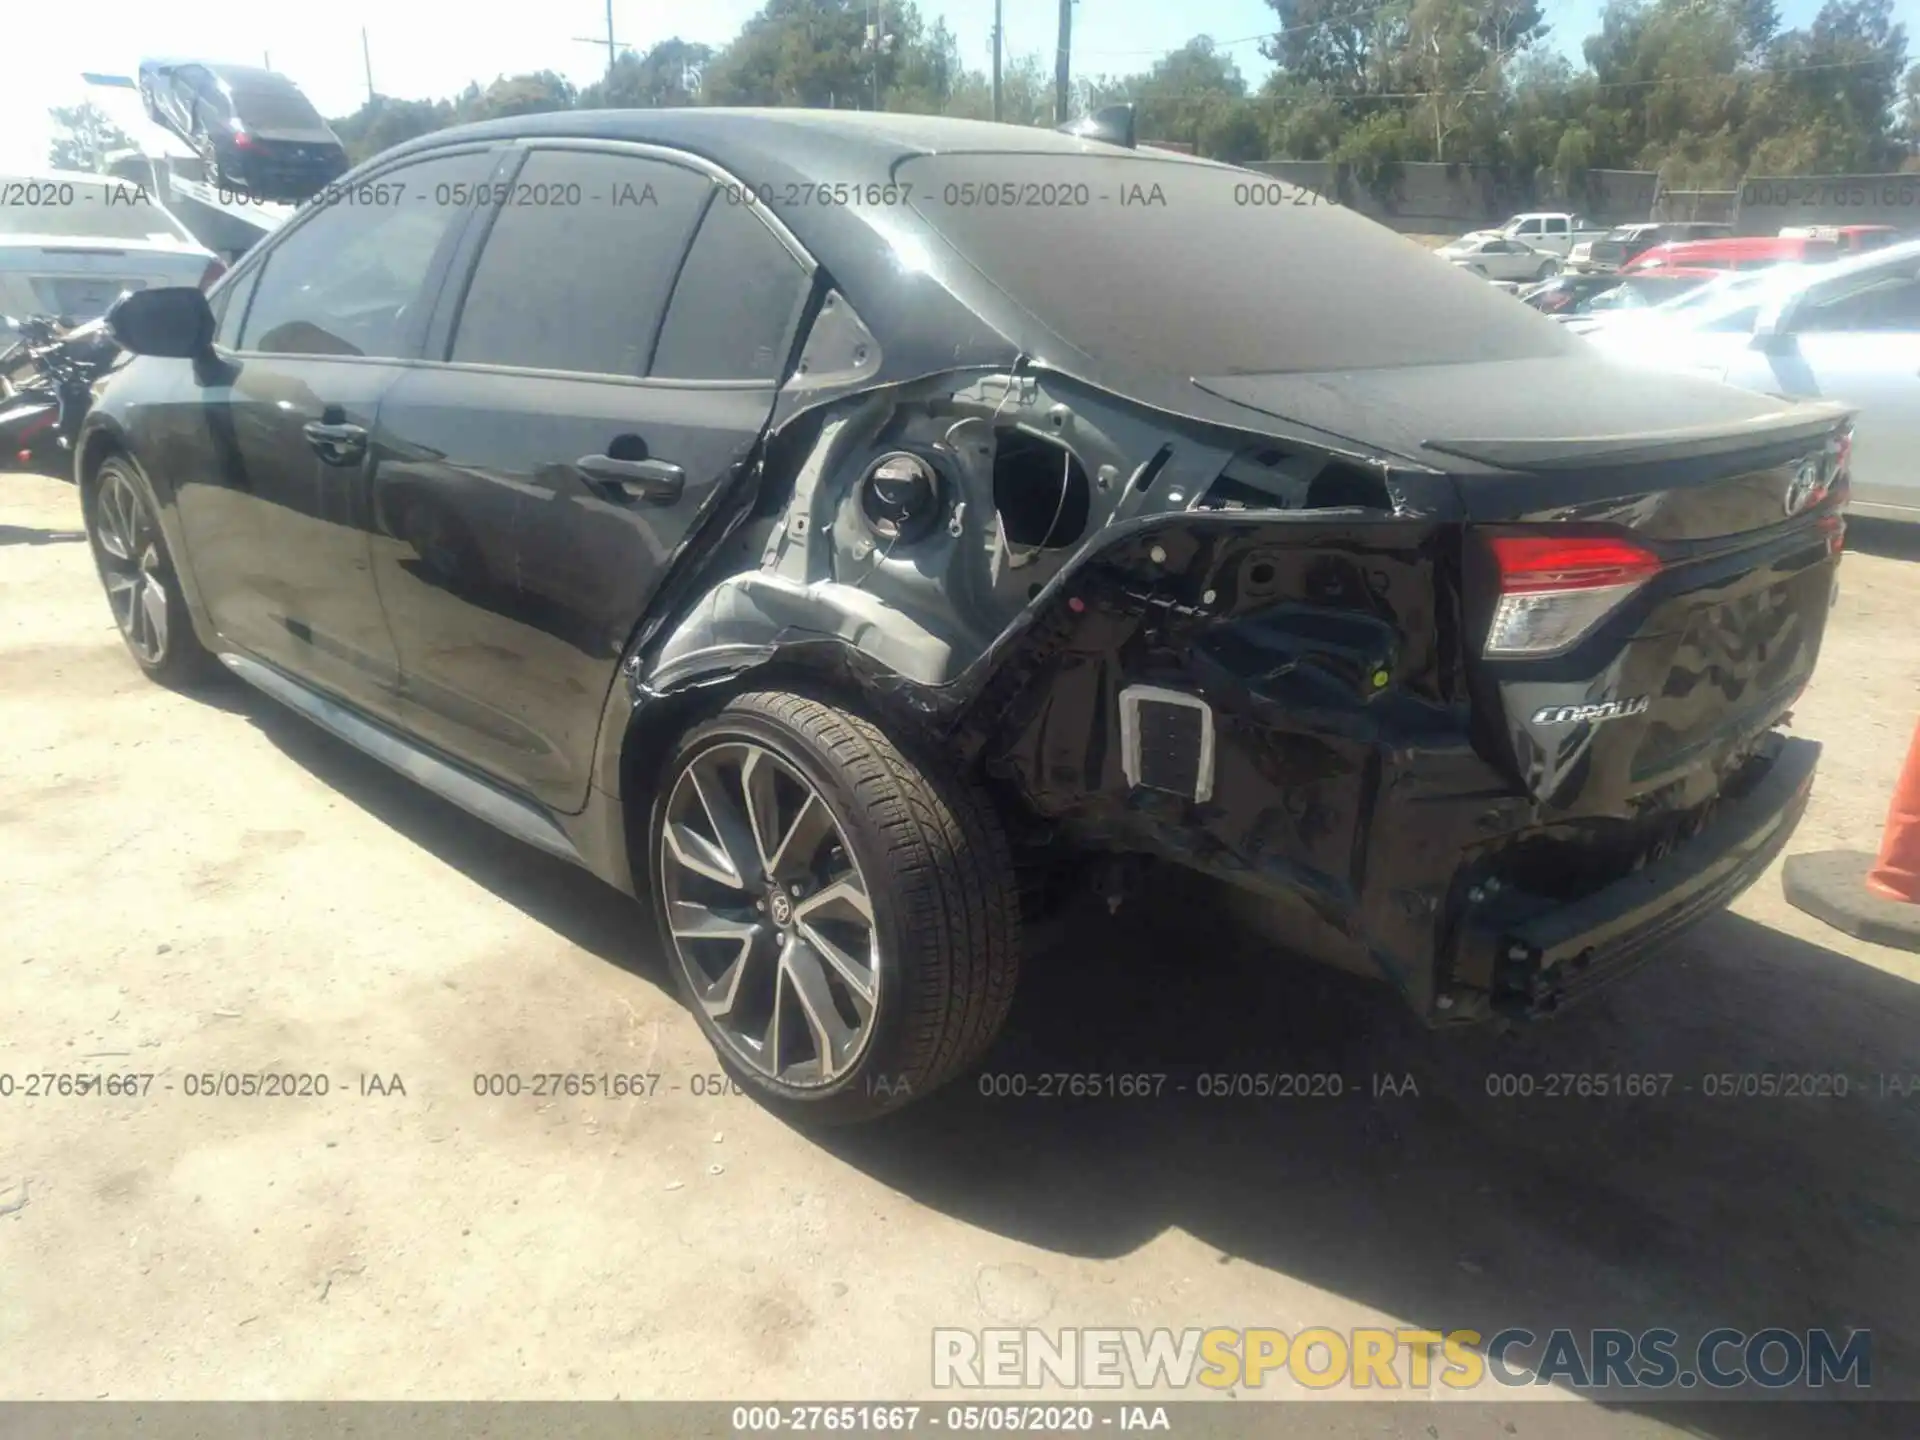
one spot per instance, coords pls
(132, 566)
(770, 915)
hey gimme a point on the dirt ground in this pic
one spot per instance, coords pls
(194, 885)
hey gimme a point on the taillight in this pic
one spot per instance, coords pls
(1555, 589)
(1835, 529)
(215, 269)
(242, 140)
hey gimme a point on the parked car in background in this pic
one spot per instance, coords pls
(1737, 252)
(1568, 295)
(1848, 331)
(257, 134)
(885, 616)
(1707, 292)
(1851, 239)
(70, 243)
(1555, 231)
(1497, 258)
(1627, 242)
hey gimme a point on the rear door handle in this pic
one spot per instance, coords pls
(657, 480)
(336, 444)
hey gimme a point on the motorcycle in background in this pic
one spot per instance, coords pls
(46, 389)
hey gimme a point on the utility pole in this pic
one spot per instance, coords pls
(366, 59)
(996, 58)
(878, 41)
(613, 47)
(1063, 66)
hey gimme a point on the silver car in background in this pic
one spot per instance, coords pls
(1499, 258)
(70, 243)
(1847, 331)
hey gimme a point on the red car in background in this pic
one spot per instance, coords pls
(1738, 252)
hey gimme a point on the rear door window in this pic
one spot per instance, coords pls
(579, 263)
(736, 304)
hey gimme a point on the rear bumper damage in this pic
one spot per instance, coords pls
(1542, 953)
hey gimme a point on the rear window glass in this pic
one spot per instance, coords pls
(267, 107)
(1206, 270)
(83, 210)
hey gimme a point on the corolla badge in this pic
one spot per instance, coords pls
(1805, 488)
(1593, 714)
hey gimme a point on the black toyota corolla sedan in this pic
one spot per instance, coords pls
(825, 524)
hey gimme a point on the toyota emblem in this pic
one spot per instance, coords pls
(1805, 488)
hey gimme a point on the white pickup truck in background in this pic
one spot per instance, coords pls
(1556, 231)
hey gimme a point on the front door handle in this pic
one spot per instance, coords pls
(657, 480)
(336, 444)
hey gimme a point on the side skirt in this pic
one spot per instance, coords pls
(479, 798)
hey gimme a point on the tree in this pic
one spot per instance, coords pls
(1026, 93)
(668, 74)
(83, 137)
(384, 122)
(1337, 46)
(530, 94)
(1195, 94)
(811, 52)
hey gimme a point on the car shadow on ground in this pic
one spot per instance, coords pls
(34, 535)
(563, 897)
(1461, 1207)
(1890, 538)
(1420, 1189)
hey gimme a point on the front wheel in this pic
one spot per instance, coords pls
(1548, 269)
(844, 926)
(137, 572)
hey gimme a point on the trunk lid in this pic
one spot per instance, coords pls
(1664, 549)
(1709, 631)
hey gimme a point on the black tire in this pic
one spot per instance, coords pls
(945, 902)
(180, 660)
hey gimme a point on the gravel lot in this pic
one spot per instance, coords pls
(210, 884)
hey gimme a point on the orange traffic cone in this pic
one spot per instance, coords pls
(1897, 873)
(1874, 899)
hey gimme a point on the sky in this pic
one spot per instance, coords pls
(431, 48)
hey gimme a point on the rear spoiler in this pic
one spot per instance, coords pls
(1113, 124)
(1811, 421)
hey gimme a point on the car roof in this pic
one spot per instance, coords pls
(793, 134)
(220, 70)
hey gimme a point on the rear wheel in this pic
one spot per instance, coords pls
(1548, 269)
(844, 926)
(137, 572)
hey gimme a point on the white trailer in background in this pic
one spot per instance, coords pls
(166, 167)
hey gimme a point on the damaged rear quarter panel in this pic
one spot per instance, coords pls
(1324, 639)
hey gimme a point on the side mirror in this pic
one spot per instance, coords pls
(170, 320)
(1113, 124)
